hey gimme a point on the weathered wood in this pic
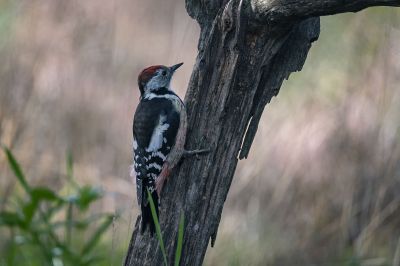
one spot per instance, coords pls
(240, 66)
(278, 11)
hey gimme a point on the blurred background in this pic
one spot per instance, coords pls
(323, 190)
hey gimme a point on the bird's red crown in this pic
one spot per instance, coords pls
(147, 74)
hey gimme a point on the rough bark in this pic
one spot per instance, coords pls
(246, 50)
(278, 11)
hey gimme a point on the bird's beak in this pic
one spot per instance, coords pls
(175, 67)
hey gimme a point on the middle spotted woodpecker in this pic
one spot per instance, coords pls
(159, 132)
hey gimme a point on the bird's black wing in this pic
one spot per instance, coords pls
(155, 126)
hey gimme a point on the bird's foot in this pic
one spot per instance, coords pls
(161, 179)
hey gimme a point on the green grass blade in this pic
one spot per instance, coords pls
(17, 170)
(178, 252)
(70, 170)
(68, 224)
(97, 234)
(158, 229)
(70, 166)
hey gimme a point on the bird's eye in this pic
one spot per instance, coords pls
(164, 73)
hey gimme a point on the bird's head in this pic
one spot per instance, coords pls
(156, 77)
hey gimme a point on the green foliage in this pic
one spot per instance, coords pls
(42, 223)
(17, 170)
(158, 229)
(178, 251)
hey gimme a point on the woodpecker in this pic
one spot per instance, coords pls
(159, 132)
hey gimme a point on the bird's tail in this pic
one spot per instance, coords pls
(147, 218)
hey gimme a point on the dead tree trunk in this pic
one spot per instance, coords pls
(246, 49)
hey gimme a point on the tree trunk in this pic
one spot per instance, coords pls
(246, 50)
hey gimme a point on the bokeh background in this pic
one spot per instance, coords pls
(325, 190)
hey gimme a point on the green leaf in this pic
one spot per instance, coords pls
(29, 209)
(94, 239)
(87, 195)
(11, 219)
(17, 170)
(38, 194)
(43, 193)
(158, 229)
(178, 252)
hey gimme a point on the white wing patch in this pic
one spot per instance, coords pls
(158, 135)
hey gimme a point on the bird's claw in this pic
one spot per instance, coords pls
(161, 179)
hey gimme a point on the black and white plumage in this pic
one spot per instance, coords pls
(159, 130)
